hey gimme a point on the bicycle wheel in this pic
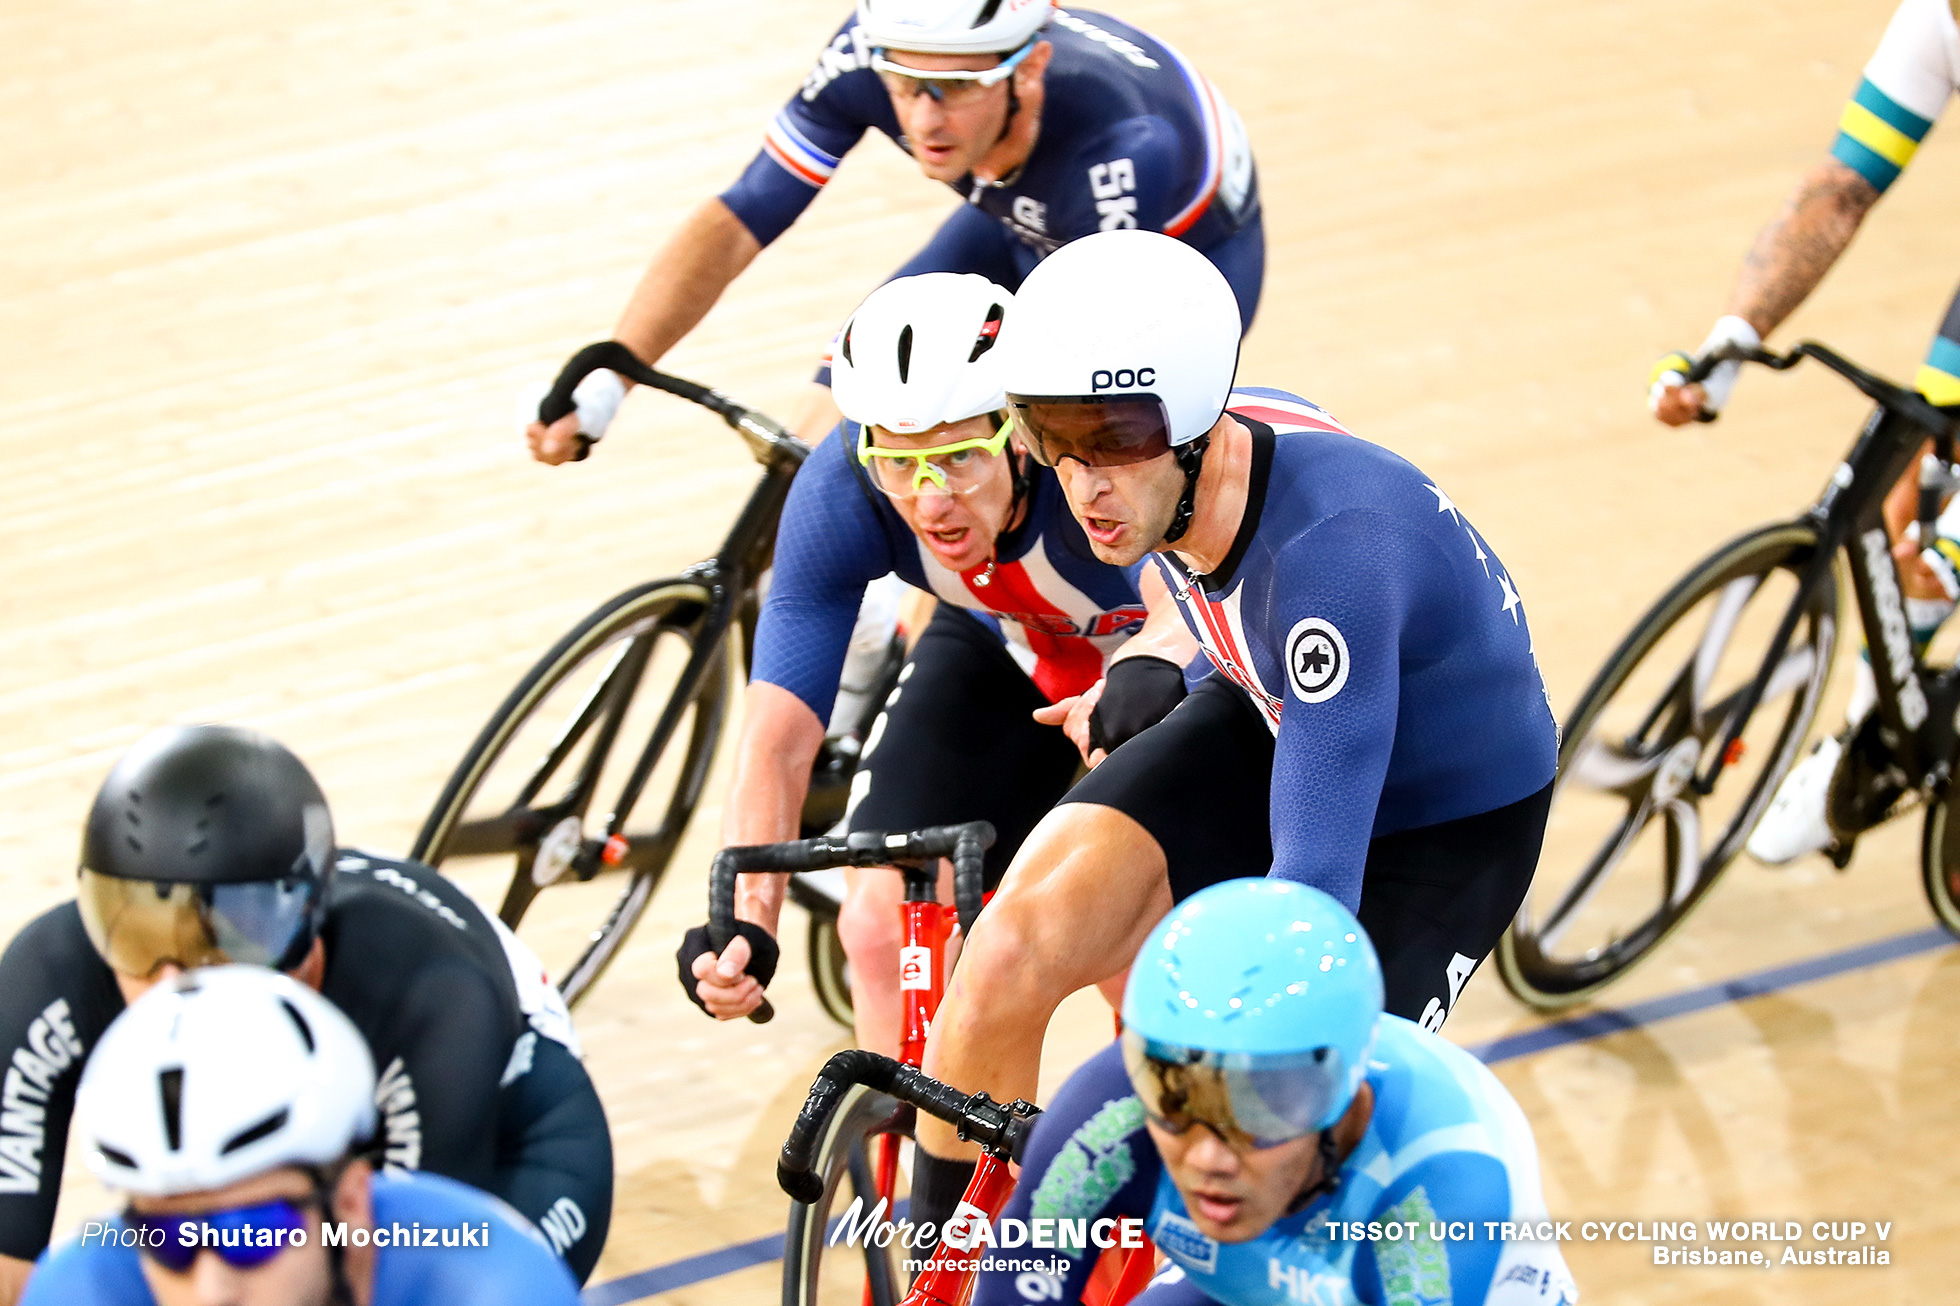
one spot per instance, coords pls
(1631, 845)
(530, 805)
(830, 970)
(810, 1277)
(1939, 861)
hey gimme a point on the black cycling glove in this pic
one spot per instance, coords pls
(1137, 693)
(763, 956)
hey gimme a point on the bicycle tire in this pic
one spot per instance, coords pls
(1733, 575)
(830, 972)
(842, 1155)
(1939, 862)
(651, 611)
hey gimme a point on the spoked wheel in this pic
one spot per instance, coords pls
(611, 716)
(1632, 844)
(855, 1270)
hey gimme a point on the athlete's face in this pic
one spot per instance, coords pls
(296, 1276)
(1123, 510)
(960, 528)
(1235, 1196)
(951, 134)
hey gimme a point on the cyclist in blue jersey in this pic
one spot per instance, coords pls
(1049, 124)
(1375, 724)
(926, 480)
(1261, 1113)
(235, 1107)
(1906, 85)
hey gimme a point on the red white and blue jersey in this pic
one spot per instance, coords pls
(1060, 612)
(1378, 634)
(1132, 135)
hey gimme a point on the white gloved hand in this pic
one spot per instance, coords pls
(1730, 330)
(598, 398)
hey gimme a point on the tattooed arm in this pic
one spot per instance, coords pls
(1789, 258)
(1793, 253)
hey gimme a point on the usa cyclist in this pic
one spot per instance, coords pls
(235, 1106)
(1048, 123)
(1905, 87)
(926, 479)
(1375, 724)
(209, 844)
(1260, 1113)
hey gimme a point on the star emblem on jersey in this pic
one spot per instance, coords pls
(1316, 660)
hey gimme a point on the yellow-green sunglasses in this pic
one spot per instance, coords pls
(957, 468)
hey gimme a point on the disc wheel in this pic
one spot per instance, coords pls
(815, 1273)
(1631, 844)
(534, 802)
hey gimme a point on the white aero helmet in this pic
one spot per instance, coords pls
(951, 26)
(1122, 317)
(919, 351)
(219, 1074)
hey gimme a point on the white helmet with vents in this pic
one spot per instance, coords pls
(951, 26)
(219, 1074)
(919, 351)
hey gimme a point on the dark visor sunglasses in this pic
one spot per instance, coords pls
(244, 1237)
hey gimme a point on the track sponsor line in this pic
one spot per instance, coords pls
(1580, 1029)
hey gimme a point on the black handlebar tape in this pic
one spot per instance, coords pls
(978, 1117)
(970, 872)
(721, 914)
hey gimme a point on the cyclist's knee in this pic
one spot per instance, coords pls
(869, 926)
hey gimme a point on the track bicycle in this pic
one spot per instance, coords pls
(591, 767)
(863, 1104)
(1717, 686)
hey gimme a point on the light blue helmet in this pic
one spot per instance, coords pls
(1266, 991)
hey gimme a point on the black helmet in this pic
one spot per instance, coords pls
(205, 844)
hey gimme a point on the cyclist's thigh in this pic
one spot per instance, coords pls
(554, 1154)
(1199, 782)
(1436, 899)
(970, 240)
(1242, 258)
(958, 742)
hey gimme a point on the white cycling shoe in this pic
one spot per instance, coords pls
(1794, 824)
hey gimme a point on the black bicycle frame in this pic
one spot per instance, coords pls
(729, 577)
(1850, 515)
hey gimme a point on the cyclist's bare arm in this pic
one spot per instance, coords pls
(1790, 256)
(1164, 635)
(780, 739)
(13, 1278)
(682, 283)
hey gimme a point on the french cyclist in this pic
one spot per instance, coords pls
(926, 478)
(209, 844)
(1907, 84)
(1263, 1118)
(1375, 724)
(235, 1108)
(1048, 123)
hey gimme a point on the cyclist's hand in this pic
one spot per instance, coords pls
(598, 398)
(1677, 403)
(1072, 715)
(728, 986)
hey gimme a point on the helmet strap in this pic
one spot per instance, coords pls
(1023, 482)
(1191, 458)
(1330, 1175)
(325, 1180)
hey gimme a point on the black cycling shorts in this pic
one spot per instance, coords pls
(1434, 899)
(554, 1154)
(957, 742)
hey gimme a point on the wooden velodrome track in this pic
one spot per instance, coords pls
(270, 278)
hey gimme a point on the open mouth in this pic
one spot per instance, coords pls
(950, 540)
(1103, 530)
(1217, 1209)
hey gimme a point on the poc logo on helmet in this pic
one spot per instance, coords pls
(1124, 378)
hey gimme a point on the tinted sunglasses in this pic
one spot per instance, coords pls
(244, 1237)
(137, 925)
(1095, 431)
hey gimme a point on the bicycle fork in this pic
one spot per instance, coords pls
(949, 1276)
